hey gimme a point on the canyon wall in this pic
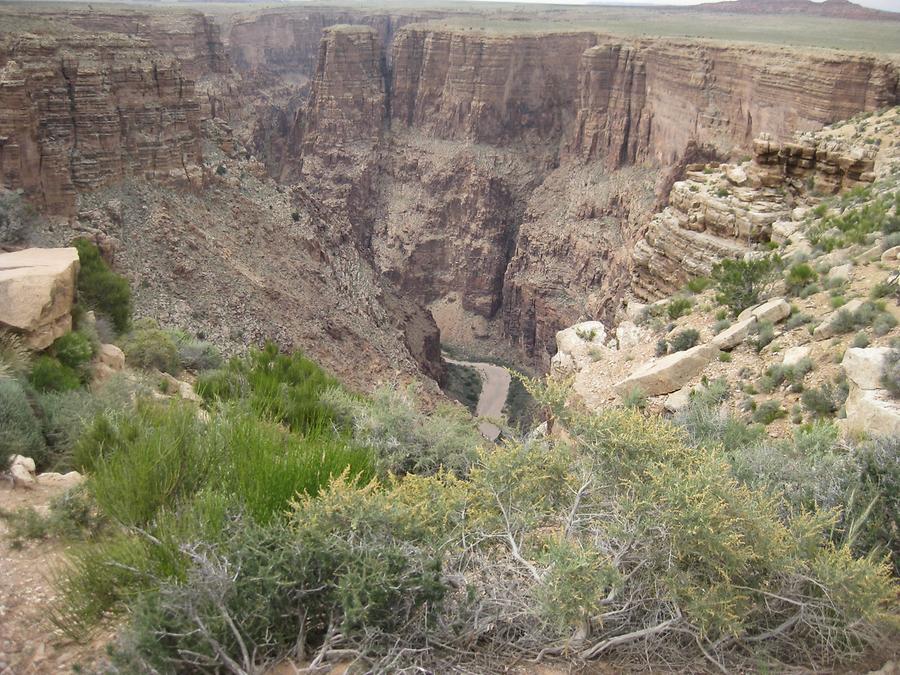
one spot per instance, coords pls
(81, 111)
(652, 99)
(521, 171)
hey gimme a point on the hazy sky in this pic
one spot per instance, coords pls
(892, 5)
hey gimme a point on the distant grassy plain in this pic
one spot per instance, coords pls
(509, 18)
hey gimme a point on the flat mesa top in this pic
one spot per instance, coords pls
(717, 22)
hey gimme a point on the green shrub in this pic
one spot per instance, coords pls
(860, 340)
(800, 276)
(198, 355)
(284, 388)
(890, 375)
(764, 333)
(151, 348)
(405, 440)
(699, 284)
(884, 289)
(809, 290)
(797, 319)
(678, 307)
(724, 357)
(740, 283)
(684, 339)
(17, 217)
(662, 347)
(65, 415)
(73, 350)
(265, 466)
(153, 459)
(777, 375)
(20, 428)
(635, 398)
(71, 515)
(100, 288)
(883, 324)
(464, 385)
(48, 374)
(820, 402)
(768, 412)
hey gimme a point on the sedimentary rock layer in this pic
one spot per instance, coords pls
(81, 111)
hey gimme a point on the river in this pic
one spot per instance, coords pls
(494, 389)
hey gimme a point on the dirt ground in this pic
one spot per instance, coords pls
(29, 643)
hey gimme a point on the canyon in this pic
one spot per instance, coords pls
(381, 180)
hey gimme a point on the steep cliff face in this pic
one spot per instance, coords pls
(81, 111)
(650, 99)
(486, 88)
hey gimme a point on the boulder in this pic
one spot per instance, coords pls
(111, 356)
(678, 401)
(840, 271)
(37, 289)
(63, 480)
(21, 476)
(102, 372)
(22, 470)
(634, 310)
(772, 310)
(871, 254)
(629, 335)
(736, 175)
(575, 344)
(668, 374)
(873, 412)
(892, 255)
(21, 460)
(826, 329)
(734, 335)
(795, 355)
(864, 366)
(179, 388)
(838, 257)
(783, 230)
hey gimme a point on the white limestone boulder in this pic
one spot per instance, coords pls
(576, 347)
(891, 256)
(774, 310)
(668, 374)
(630, 335)
(827, 328)
(873, 412)
(37, 290)
(795, 355)
(111, 356)
(678, 401)
(734, 335)
(840, 272)
(865, 366)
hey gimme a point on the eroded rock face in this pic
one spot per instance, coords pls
(37, 290)
(651, 98)
(81, 111)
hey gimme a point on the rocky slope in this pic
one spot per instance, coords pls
(825, 202)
